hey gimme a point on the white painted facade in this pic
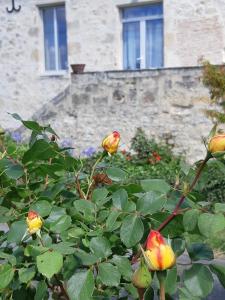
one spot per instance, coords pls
(192, 29)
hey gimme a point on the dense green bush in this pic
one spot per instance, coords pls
(94, 223)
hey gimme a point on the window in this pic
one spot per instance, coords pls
(55, 38)
(143, 36)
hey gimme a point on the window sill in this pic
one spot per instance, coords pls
(64, 74)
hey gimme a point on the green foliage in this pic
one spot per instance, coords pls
(92, 226)
(214, 79)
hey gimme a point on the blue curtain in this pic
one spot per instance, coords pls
(154, 43)
(131, 45)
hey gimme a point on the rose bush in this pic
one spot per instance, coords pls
(80, 236)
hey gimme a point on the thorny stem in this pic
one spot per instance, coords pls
(180, 202)
(92, 173)
(182, 198)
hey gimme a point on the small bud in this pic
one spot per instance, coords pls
(111, 142)
(34, 222)
(142, 277)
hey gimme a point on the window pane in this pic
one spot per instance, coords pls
(154, 43)
(143, 11)
(131, 45)
(49, 43)
(62, 37)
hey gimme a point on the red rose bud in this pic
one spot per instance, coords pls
(158, 255)
(34, 221)
(142, 277)
(111, 142)
(217, 143)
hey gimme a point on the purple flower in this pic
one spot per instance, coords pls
(89, 152)
(67, 144)
(16, 136)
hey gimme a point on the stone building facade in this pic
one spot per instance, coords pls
(95, 37)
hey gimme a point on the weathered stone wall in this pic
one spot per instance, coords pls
(192, 29)
(168, 104)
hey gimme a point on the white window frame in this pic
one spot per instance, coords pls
(57, 71)
(142, 21)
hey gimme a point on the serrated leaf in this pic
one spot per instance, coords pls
(199, 251)
(41, 290)
(49, 263)
(11, 258)
(6, 275)
(190, 219)
(158, 185)
(210, 224)
(171, 281)
(120, 198)
(131, 231)
(151, 203)
(100, 247)
(17, 231)
(61, 224)
(116, 174)
(26, 274)
(111, 220)
(65, 248)
(81, 285)
(198, 280)
(43, 207)
(109, 274)
(124, 266)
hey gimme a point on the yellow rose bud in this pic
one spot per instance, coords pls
(158, 255)
(34, 221)
(217, 143)
(111, 142)
(142, 277)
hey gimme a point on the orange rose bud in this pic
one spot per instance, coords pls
(34, 222)
(111, 142)
(217, 143)
(158, 255)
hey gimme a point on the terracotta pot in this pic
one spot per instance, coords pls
(78, 68)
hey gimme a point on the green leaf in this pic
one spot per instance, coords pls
(131, 231)
(99, 195)
(61, 224)
(49, 263)
(171, 281)
(210, 224)
(40, 150)
(65, 248)
(41, 290)
(151, 203)
(32, 250)
(26, 274)
(219, 207)
(14, 171)
(81, 285)
(149, 294)
(178, 246)
(220, 272)
(87, 208)
(111, 221)
(157, 185)
(116, 174)
(124, 266)
(198, 280)
(100, 246)
(109, 274)
(190, 219)
(11, 258)
(86, 259)
(16, 231)
(120, 198)
(6, 275)
(199, 251)
(43, 207)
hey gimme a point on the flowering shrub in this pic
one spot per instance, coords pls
(79, 236)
